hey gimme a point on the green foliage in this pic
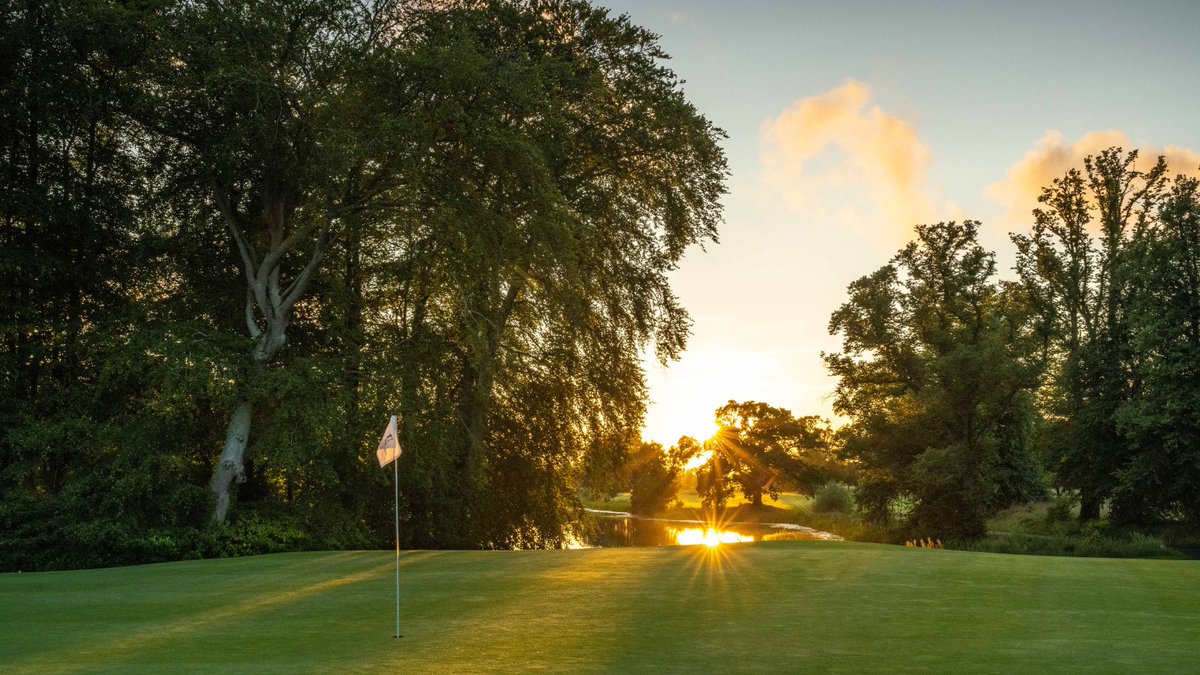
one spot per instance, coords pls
(1160, 419)
(653, 483)
(655, 474)
(300, 206)
(833, 497)
(257, 535)
(935, 364)
(1060, 509)
(760, 449)
(1079, 266)
(1093, 545)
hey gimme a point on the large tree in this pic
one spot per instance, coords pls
(1077, 265)
(763, 449)
(1160, 420)
(566, 176)
(464, 212)
(934, 374)
(283, 120)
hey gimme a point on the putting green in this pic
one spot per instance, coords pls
(770, 607)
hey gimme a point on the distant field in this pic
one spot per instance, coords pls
(773, 607)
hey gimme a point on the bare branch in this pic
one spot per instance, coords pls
(300, 283)
(275, 255)
(273, 287)
(251, 324)
(244, 248)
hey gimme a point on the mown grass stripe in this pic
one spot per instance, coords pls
(779, 607)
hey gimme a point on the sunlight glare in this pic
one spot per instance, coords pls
(698, 461)
(712, 538)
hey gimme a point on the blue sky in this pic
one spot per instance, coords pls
(847, 119)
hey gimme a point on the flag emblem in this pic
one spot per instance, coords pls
(389, 446)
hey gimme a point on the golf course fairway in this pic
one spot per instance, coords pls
(780, 607)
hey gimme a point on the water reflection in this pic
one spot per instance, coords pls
(621, 529)
(694, 536)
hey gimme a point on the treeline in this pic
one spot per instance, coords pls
(967, 394)
(238, 235)
(758, 450)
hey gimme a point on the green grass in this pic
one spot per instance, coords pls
(774, 607)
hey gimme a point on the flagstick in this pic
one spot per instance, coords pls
(396, 469)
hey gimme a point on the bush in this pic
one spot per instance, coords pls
(253, 535)
(1094, 544)
(1060, 509)
(833, 497)
(654, 486)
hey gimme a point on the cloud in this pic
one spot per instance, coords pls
(836, 158)
(1053, 157)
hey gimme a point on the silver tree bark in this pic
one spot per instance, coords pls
(269, 307)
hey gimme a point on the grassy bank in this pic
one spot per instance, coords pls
(776, 607)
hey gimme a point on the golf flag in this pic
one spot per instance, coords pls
(389, 447)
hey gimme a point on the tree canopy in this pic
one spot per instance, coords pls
(962, 389)
(310, 214)
(762, 449)
(934, 374)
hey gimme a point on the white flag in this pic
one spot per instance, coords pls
(389, 447)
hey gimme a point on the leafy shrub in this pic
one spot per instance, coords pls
(851, 527)
(252, 536)
(833, 497)
(655, 484)
(1060, 509)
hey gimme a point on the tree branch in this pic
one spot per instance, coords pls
(244, 248)
(251, 324)
(300, 283)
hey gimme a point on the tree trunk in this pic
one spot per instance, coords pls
(1089, 506)
(474, 401)
(231, 467)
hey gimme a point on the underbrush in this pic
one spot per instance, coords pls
(36, 540)
(1052, 528)
(1092, 545)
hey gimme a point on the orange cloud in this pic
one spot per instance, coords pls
(1020, 188)
(836, 158)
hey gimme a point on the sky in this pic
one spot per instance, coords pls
(848, 122)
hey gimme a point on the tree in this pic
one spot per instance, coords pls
(1160, 420)
(101, 409)
(934, 373)
(284, 120)
(566, 176)
(312, 213)
(1081, 283)
(761, 449)
(655, 474)
(65, 200)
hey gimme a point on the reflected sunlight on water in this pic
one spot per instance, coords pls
(693, 536)
(616, 528)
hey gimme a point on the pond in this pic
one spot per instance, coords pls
(617, 528)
